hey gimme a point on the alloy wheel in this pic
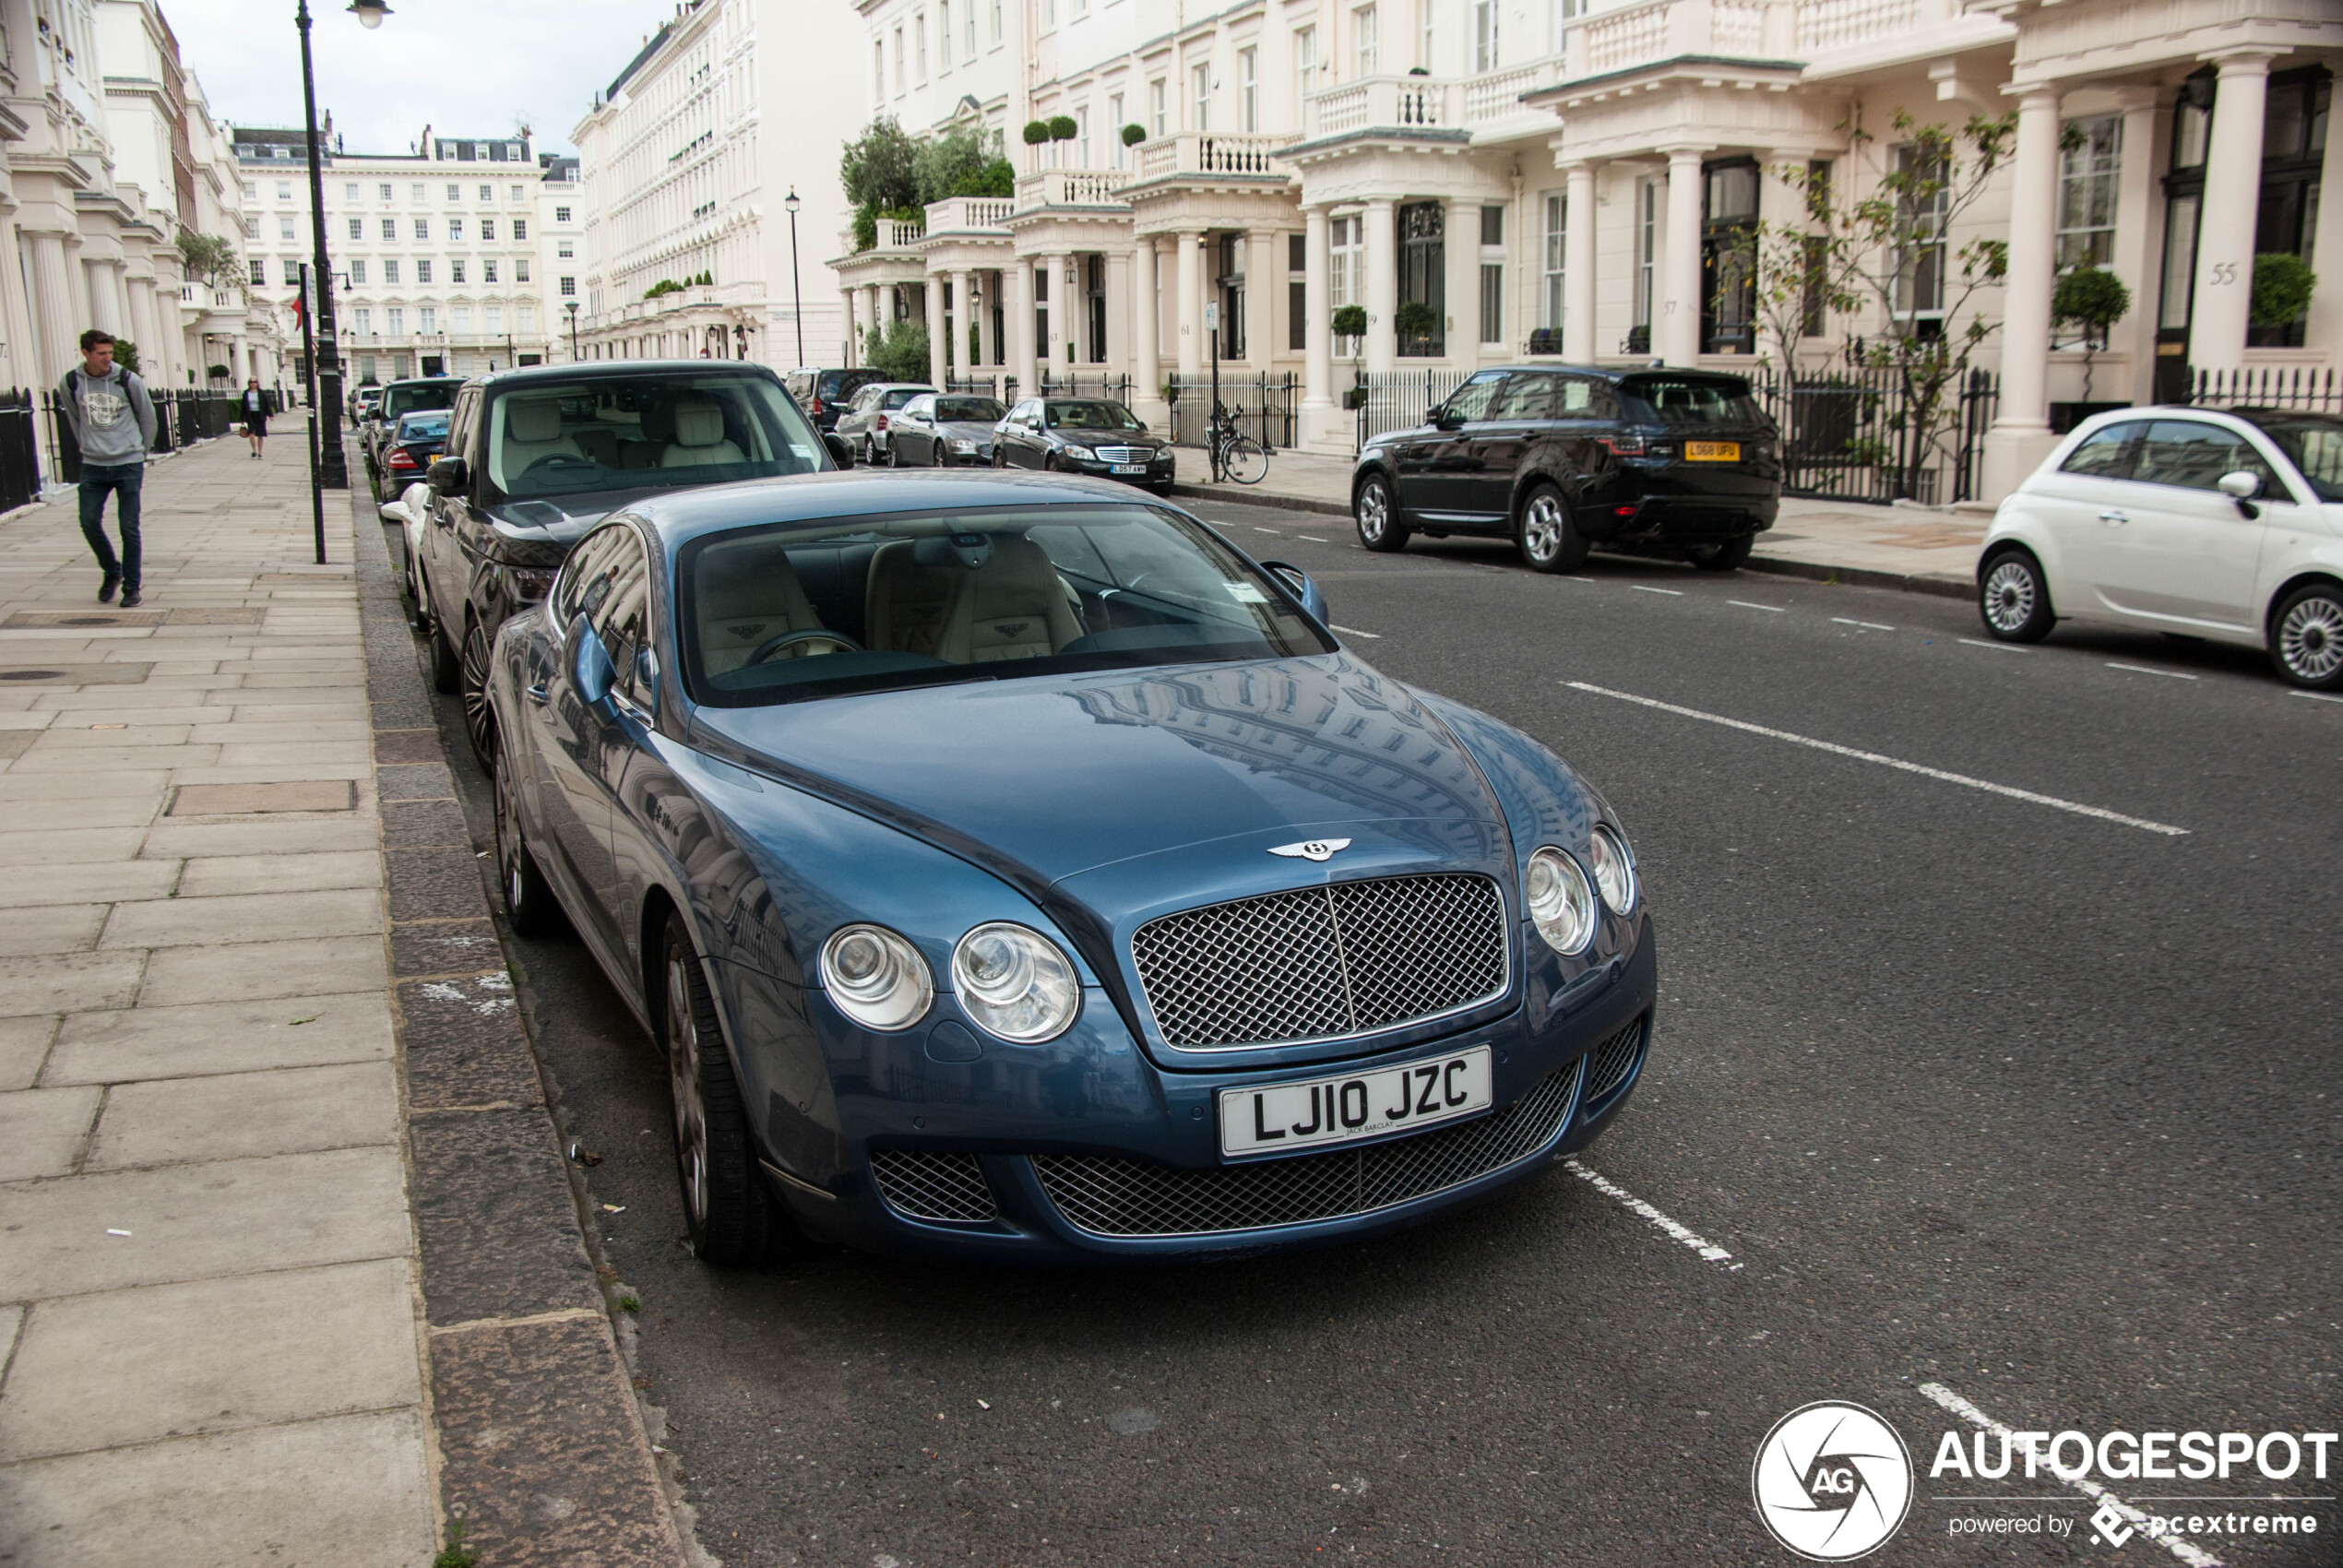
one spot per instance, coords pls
(2310, 639)
(507, 832)
(2009, 596)
(684, 1086)
(1542, 528)
(479, 724)
(1374, 513)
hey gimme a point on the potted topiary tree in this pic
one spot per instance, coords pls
(1415, 323)
(1350, 321)
(2093, 299)
(2283, 283)
(1063, 128)
(1133, 134)
(1036, 132)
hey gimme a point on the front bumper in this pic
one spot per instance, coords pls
(1016, 1144)
(1161, 470)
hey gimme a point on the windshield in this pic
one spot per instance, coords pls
(423, 394)
(2313, 445)
(663, 430)
(983, 408)
(1090, 416)
(424, 427)
(897, 397)
(789, 612)
(1708, 399)
(837, 385)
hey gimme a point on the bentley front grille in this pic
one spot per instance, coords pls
(1323, 963)
(1611, 1063)
(926, 1184)
(1132, 1197)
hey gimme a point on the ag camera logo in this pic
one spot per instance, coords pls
(1832, 1481)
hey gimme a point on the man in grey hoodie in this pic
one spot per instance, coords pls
(114, 425)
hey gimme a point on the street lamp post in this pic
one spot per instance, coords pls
(797, 300)
(572, 308)
(333, 470)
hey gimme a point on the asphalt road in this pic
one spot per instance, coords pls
(1977, 1090)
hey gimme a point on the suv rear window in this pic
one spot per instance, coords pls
(401, 401)
(837, 385)
(661, 430)
(1693, 399)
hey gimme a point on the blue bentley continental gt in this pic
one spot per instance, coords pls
(1010, 867)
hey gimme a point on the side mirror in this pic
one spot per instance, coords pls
(2241, 485)
(447, 476)
(1447, 419)
(840, 452)
(395, 512)
(591, 670)
(1304, 588)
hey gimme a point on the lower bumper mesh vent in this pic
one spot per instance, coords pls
(928, 1185)
(1611, 1063)
(1130, 1197)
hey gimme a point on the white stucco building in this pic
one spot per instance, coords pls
(1546, 179)
(687, 162)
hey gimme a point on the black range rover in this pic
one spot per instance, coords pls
(1562, 459)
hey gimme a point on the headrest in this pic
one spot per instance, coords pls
(658, 421)
(698, 423)
(965, 551)
(533, 421)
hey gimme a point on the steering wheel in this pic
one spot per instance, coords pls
(560, 460)
(774, 645)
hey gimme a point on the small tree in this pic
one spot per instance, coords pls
(1036, 132)
(1133, 135)
(2093, 299)
(958, 163)
(2283, 283)
(880, 168)
(1350, 321)
(126, 354)
(209, 260)
(1889, 255)
(215, 371)
(1063, 128)
(899, 352)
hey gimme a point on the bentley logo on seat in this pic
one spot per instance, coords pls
(1313, 849)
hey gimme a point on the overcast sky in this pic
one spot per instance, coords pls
(466, 68)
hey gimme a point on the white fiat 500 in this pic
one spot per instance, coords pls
(2222, 524)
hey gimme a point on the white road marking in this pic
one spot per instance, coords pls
(1997, 647)
(2181, 1547)
(1768, 609)
(2144, 670)
(1937, 773)
(1311, 536)
(2314, 696)
(1710, 1250)
(1866, 626)
(1258, 529)
(1640, 588)
(1354, 632)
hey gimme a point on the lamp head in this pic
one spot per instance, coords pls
(370, 13)
(791, 203)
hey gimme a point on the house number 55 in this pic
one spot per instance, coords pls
(2223, 273)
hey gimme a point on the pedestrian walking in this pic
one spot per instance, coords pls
(255, 415)
(114, 425)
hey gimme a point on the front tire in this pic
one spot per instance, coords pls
(528, 899)
(479, 724)
(1376, 517)
(446, 670)
(2013, 599)
(2306, 637)
(1726, 557)
(1549, 540)
(728, 1210)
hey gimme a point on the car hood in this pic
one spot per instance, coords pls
(1152, 788)
(967, 429)
(1107, 438)
(562, 520)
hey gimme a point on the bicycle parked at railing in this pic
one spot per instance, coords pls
(1234, 455)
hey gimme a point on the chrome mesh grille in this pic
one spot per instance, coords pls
(1608, 1064)
(1124, 454)
(1131, 1198)
(932, 1185)
(1321, 963)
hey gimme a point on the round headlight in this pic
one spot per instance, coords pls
(1015, 983)
(1561, 903)
(1614, 870)
(876, 978)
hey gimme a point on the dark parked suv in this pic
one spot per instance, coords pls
(824, 394)
(1562, 459)
(535, 457)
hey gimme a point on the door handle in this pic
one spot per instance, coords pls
(2112, 517)
(537, 695)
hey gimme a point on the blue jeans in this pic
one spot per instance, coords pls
(123, 480)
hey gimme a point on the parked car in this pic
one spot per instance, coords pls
(412, 512)
(402, 397)
(1013, 869)
(1083, 435)
(363, 404)
(536, 456)
(824, 394)
(1561, 459)
(937, 430)
(2226, 525)
(864, 425)
(408, 447)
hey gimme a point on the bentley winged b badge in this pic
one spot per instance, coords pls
(1313, 849)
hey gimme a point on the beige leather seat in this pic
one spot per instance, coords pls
(748, 595)
(1012, 607)
(532, 430)
(904, 603)
(700, 437)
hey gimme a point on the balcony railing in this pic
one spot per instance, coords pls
(959, 214)
(1198, 152)
(1380, 101)
(1071, 187)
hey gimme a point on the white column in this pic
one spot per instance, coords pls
(1461, 250)
(932, 310)
(1578, 264)
(1379, 245)
(52, 306)
(1677, 339)
(988, 352)
(1118, 311)
(1065, 297)
(1780, 205)
(964, 315)
(2325, 325)
(1317, 330)
(1146, 331)
(2225, 233)
(853, 330)
(878, 322)
(1190, 297)
(2021, 423)
(1262, 279)
(2139, 207)
(1020, 333)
